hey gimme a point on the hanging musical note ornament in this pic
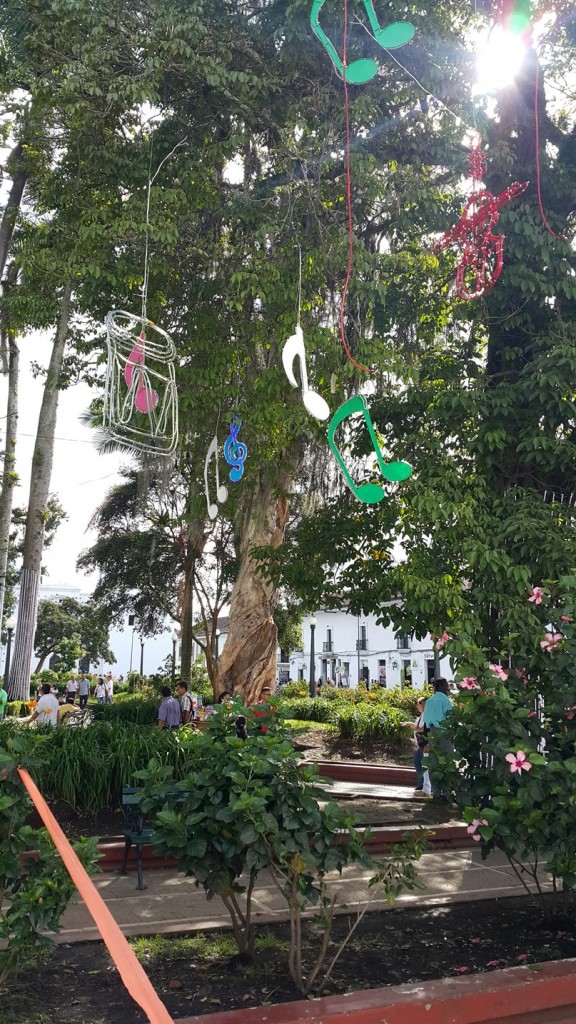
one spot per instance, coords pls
(394, 472)
(235, 451)
(140, 398)
(480, 263)
(362, 70)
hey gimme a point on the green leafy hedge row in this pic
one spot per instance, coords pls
(379, 720)
(88, 767)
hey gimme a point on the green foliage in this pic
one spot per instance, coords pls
(358, 714)
(243, 807)
(528, 813)
(34, 889)
(66, 619)
(129, 709)
(88, 767)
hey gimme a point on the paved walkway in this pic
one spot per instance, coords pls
(172, 903)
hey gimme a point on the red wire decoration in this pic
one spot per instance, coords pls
(480, 264)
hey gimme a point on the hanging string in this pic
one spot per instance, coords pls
(537, 134)
(151, 180)
(299, 297)
(359, 366)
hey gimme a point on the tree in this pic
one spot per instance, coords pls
(481, 403)
(58, 113)
(155, 561)
(67, 619)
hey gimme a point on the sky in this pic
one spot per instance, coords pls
(80, 476)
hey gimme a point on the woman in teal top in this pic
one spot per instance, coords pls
(437, 706)
(435, 711)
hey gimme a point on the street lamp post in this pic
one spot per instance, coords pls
(312, 624)
(10, 627)
(141, 656)
(175, 639)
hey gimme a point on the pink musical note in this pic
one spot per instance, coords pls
(146, 398)
(136, 357)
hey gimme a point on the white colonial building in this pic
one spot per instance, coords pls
(350, 648)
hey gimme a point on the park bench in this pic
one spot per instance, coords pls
(136, 832)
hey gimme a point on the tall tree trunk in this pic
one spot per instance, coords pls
(19, 683)
(9, 472)
(10, 366)
(248, 661)
(12, 203)
(186, 637)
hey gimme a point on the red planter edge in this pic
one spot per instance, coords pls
(111, 852)
(519, 995)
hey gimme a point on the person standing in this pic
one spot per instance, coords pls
(46, 710)
(186, 703)
(83, 691)
(101, 690)
(420, 740)
(169, 714)
(435, 711)
(109, 689)
(3, 701)
(71, 690)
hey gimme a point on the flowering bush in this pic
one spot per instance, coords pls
(513, 727)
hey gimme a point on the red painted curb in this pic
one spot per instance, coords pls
(454, 837)
(518, 995)
(375, 774)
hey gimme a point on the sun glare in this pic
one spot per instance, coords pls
(499, 60)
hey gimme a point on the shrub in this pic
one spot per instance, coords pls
(245, 806)
(514, 731)
(34, 891)
(87, 768)
(292, 690)
(134, 709)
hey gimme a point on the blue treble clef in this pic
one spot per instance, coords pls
(234, 451)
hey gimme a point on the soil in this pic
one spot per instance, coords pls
(79, 985)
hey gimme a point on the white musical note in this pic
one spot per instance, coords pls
(294, 349)
(221, 491)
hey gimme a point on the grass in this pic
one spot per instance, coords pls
(207, 947)
(297, 726)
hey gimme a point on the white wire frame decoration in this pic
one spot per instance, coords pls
(140, 397)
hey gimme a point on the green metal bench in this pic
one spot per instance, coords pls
(136, 832)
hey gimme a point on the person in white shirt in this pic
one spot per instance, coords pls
(46, 710)
(71, 690)
(101, 690)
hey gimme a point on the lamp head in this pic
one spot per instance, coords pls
(312, 621)
(11, 623)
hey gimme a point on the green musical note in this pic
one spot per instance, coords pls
(364, 69)
(392, 471)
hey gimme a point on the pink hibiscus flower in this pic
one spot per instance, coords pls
(551, 641)
(442, 640)
(565, 618)
(499, 671)
(473, 826)
(469, 683)
(537, 595)
(518, 762)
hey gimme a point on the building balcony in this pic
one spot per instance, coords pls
(327, 647)
(362, 645)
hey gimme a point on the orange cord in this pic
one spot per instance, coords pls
(129, 967)
(359, 366)
(543, 215)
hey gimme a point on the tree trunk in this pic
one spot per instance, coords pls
(12, 204)
(186, 637)
(248, 661)
(9, 476)
(19, 683)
